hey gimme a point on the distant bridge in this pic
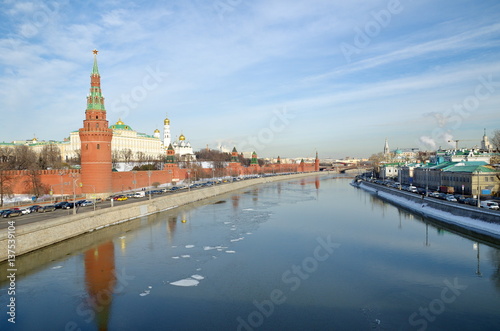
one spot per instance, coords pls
(342, 169)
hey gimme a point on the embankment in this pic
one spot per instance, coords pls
(468, 219)
(33, 236)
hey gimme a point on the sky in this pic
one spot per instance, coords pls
(279, 77)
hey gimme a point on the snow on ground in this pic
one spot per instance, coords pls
(465, 222)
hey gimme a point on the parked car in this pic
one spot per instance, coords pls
(62, 205)
(451, 198)
(461, 199)
(79, 202)
(12, 213)
(489, 204)
(139, 194)
(34, 208)
(25, 211)
(47, 208)
(87, 203)
(471, 201)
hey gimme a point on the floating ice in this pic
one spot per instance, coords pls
(185, 256)
(248, 209)
(197, 277)
(175, 257)
(144, 293)
(189, 246)
(122, 237)
(57, 267)
(227, 222)
(238, 239)
(249, 232)
(186, 282)
(231, 252)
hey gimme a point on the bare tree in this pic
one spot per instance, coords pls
(50, 157)
(495, 141)
(34, 184)
(23, 158)
(6, 184)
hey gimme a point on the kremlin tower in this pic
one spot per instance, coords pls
(95, 137)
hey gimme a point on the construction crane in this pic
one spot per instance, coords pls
(457, 140)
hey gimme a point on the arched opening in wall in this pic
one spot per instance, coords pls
(98, 146)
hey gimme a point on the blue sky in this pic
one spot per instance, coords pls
(280, 77)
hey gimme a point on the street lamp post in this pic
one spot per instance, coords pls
(149, 183)
(74, 192)
(478, 189)
(189, 180)
(135, 181)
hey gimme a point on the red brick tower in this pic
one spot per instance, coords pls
(316, 163)
(95, 137)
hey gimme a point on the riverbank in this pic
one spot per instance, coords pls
(465, 219)
(30, 237)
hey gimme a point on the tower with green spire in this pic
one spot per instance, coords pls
(234, 156)
(95, 137)
(254, 161)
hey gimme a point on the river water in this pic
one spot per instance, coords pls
(311, 254)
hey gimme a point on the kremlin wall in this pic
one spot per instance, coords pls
(95, 178)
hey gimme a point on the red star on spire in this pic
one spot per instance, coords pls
(95, 51)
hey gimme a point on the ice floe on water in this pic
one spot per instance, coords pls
(247, 209)
(175, 257)
(189, 246)
(57, 267)
(194, 280)
(146, 292)
(231, 252)
(228, 222)
(122, 237)
(237, 239)
(185, 256)
(197, 277)
(209, 248)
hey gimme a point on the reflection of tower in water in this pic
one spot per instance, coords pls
(100, 278)
(171, 226)
(236, 201)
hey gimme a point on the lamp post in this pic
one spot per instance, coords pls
(149, 183)
(426, 182)
(135, 181)
(189, 180)
(74, 191)
(478, 189)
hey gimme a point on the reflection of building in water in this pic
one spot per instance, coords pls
(171, 226)
(255, 194)
(236, 201)
(316, 183)
(100, 278)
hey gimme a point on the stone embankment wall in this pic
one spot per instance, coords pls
(450, 207)
(33, 236)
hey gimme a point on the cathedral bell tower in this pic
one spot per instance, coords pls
(95, 137)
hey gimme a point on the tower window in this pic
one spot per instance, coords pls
(98, 146)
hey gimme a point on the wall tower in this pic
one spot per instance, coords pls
(95, 137)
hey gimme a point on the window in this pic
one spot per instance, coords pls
(98, 146)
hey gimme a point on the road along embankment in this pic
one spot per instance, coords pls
(468, 219)
(15, 241)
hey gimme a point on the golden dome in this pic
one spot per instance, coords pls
(119, 122)
(166, 121)
(181, 137)
(157, 131)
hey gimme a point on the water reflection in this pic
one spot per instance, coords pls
(100, 281)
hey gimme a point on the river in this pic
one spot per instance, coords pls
(310, 254)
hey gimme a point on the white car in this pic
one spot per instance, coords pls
(489, 204)
(451, 198)
(25, 211)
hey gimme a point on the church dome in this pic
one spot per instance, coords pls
(157, 131)
(181, 137)
(166, 121)
(119, 122)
